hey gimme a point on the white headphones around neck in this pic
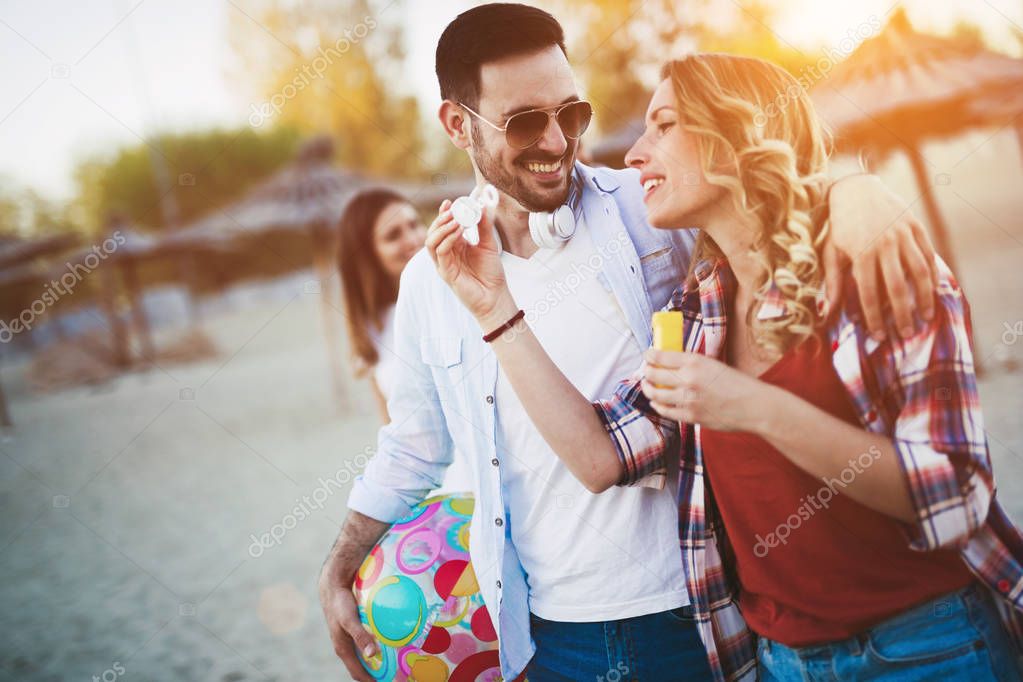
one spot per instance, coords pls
(549, 230)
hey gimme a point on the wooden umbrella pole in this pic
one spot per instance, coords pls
(939, 228)
(139, 318)
(1019, 133)
(5, 415)
(189, 271)
(118, 333)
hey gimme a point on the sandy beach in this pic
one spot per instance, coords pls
(129, 509)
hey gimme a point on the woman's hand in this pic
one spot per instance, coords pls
(694, 389)
(474, 273)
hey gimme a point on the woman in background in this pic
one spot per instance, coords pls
(379, 233)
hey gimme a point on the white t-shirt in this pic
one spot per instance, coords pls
(457, 478)
(587, 557)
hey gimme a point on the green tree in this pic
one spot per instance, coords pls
(11, 214)
(25, 212)
(332, 67)
(204, 170)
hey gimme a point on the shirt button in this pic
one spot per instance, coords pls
(494, 461)
(872, 415)
(490, 400)
(1003, 585)
(632, 268)
(499, 522)
(498, 584)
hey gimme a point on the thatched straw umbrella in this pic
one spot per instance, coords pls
(902, 88)
(307, 197)
(15, 250)
(1003, 108)
(309, 193)
(122, 252)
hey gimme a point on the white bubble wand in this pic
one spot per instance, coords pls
(468, 211)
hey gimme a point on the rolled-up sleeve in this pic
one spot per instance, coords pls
(939, 430)
(414, 450)
(641, 437)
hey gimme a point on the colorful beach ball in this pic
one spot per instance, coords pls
(419, 597)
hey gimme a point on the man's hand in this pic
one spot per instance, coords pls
(347, 633)
(474, 273)
(890, 252)
(346, 630)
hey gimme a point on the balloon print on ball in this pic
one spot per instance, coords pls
(418, 595)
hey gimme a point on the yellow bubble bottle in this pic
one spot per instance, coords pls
(667, 330)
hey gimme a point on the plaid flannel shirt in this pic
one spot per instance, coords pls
(921, 392)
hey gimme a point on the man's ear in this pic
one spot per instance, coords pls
(455, 120)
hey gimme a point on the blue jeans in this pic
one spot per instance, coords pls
(958, 636)
(660, 647)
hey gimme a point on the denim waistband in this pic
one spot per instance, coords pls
(940, 605)
(687, 612)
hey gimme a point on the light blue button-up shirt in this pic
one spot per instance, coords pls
(443, 395)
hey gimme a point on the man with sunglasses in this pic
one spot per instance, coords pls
(579, 585)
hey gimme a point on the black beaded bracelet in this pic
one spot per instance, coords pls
(504, 327)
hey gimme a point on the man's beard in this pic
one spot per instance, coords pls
(513, 184)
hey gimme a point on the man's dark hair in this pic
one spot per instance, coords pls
(485, 34)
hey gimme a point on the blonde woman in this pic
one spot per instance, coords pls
(837, 509)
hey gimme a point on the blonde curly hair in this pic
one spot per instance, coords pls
(760, 139)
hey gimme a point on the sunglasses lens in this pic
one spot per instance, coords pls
(525, 129)
(575, 118)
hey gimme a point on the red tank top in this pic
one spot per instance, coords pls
(814, 565)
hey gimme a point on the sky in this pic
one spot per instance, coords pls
(84, 77)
